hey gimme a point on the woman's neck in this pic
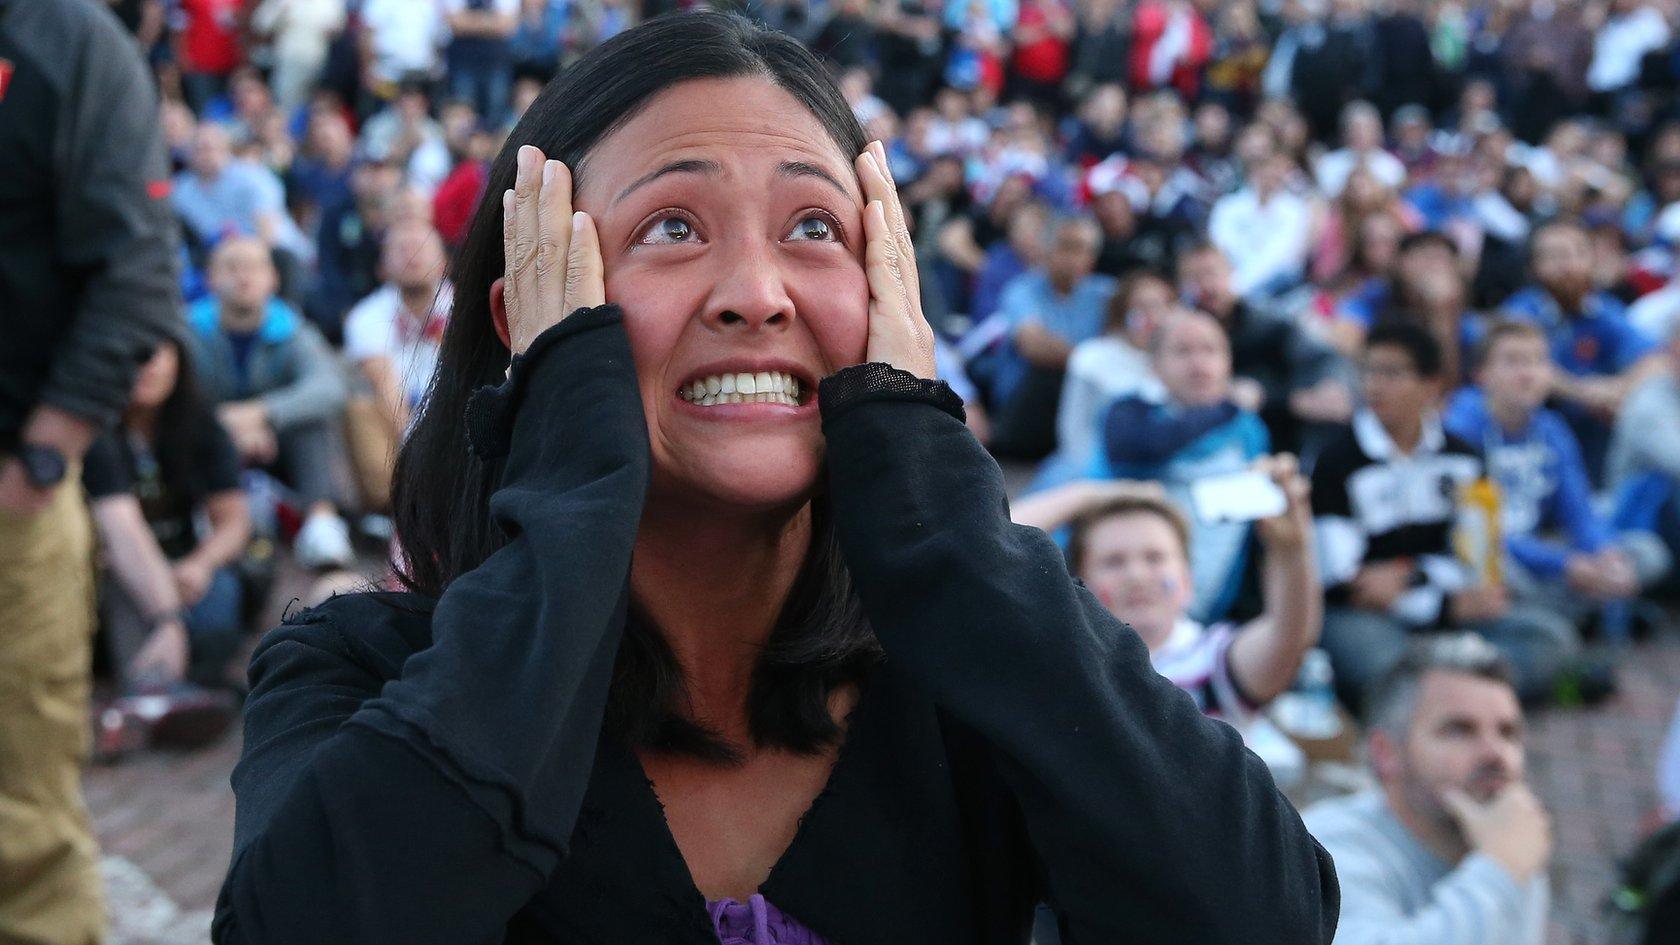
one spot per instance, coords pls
(713, 583)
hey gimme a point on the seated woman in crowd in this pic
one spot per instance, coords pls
(173, 522)
(674, 576)
(1196, 430)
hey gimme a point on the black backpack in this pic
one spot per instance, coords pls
(1644, 908)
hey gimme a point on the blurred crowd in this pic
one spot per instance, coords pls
(1401, 275)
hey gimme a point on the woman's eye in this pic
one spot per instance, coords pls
(813, 228)
(669, 229)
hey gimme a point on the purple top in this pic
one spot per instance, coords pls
(756, 922)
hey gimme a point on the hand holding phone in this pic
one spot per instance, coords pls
(1246, 496)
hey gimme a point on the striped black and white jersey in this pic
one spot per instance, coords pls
(1373, 503)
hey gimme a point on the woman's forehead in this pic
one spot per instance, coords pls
(730, 125)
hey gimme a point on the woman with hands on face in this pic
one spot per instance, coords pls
(717, 628)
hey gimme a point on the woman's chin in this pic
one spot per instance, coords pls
(744, 485)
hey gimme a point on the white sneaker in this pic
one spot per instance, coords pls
(324, 542)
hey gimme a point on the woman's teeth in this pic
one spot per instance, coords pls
(765, 387)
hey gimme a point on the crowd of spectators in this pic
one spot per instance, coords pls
(1417, 261)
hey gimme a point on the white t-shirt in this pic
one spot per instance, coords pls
(1197, 660)
(1100, 371)
(1619, 46)
(504, 7)
(1264, 241)
(1334, 169)
(379, 326)
(406, 36)
(1655, 313)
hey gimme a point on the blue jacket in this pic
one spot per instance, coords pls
(1145, 439)
(1542, 480)
(290, 366)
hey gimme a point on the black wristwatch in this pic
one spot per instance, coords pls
(44, 466)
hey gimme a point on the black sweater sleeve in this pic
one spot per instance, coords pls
(1152, 822)
(427, 799)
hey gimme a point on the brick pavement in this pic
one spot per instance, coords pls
(171, 816)
(1593, 768)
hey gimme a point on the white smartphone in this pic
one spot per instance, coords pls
(1246, 496)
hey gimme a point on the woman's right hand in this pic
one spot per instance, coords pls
(553, 254)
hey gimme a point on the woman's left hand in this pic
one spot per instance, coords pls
(898, 333)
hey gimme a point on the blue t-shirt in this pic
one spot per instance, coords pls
(1542, 479)
(241, 343)
(1074, 317)
(231, 203)
(1598, 340)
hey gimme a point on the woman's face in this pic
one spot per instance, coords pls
(156, 380)
(732, 235)
(1151, 301)
(1379, 242)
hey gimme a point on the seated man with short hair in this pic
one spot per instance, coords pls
(1601, 356)
(1451, 848)
(393, 337)
(278, 390)
(1047, 311)
(1196, 430)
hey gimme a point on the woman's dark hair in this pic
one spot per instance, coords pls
(182, 420)
(1120, 303)
(440, 493)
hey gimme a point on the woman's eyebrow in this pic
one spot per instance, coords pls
(711, 168)
(804, 169)
(687, 166)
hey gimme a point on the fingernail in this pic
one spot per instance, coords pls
(548, 171)
(507, 201)
(577, 219)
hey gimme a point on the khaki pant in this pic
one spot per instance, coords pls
(373, 451)
(49, 869)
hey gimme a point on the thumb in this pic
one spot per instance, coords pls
(585, 274)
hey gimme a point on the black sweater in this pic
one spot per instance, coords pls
(89, 285)
(422, 771)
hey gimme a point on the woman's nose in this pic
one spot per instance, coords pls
(750, 292)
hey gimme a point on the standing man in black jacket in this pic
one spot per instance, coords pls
(88, 288)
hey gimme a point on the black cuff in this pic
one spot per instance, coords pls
(862, 383)
(490, 409)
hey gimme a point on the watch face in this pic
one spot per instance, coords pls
(44, 465)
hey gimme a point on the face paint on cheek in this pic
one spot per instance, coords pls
(1104, 596)
(1170, 585)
